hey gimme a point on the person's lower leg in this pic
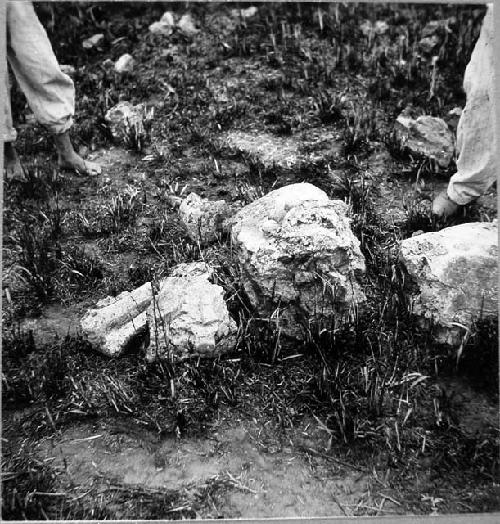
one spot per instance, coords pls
(12, 164)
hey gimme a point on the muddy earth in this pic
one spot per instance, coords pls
(372, 419)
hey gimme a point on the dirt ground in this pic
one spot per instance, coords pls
(373, 421)
(269, 483)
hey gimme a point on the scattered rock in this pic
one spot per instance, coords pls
(168, 18)
(380, 27)
(456, 111)
(436, 27)
(245, 13)
(426, 136)
(203, 218)
(300, 260)
(433, 35)
(453, 117)
(67, 69)
(189, 316)
(186, 25)
(165, 26)
(93, 41)
(117, 322)
(125, 64)
(124, 116)
(429, 44)
(108, 64)
(456, 271)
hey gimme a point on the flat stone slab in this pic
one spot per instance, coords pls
(286, 152)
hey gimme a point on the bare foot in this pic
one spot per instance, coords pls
(77, 164)
(12, 164)
(69, 159)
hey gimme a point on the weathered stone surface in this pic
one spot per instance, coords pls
(456, 270)
(426, 136)
(116, 321)
(299, 257)
(93, 41)
(186, 25)
(193, 270)
(124, 116)
(164, 26)
(203, 218)
(125, 64)
(189, 316)
(285, 152)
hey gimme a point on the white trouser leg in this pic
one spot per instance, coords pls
(9, 132)
(49, 92)
(477, 164)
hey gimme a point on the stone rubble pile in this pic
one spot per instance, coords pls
(188, 316)
(301, 268)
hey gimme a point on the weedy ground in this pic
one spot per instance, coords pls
(417, 421)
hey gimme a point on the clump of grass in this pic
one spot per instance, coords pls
(168, 239)
(141, 273)
(34, 490)
(95, 224)
(229, 113)
(479, 356)
(37, 260)
(25, 484)
(418, 219)
(35, 377)
(49, 269)
(361, 128)
(137, 133)
(124, 208)
(328, 107)
(78, 271)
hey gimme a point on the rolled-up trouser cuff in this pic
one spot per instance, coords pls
(462, 193)
(61, 127)
(50, 93)
(8, 136)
